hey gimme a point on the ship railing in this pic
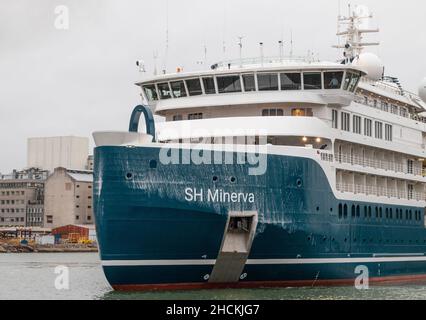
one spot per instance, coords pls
(381, 191)
(388, 108)
(386, 165)
(266, 61)
(326, 156)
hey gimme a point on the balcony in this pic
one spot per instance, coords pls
(381, 192)
(386, 165)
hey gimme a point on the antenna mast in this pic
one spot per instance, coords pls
(166, 56)
(354, 33)
(240, 45)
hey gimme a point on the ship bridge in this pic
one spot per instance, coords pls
(230, 90)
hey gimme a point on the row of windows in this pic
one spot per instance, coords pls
(252, 82)
(12, 202)
(12, 193)
(89, 218)
(385, 106)
(298, 112)
(369, 212)
(12, 219)
(345, 125)
(13, 210)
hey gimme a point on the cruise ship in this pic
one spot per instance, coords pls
(267, 172)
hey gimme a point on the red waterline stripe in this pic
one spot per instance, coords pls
(410, 279)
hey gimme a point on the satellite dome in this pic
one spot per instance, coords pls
(422, 90)
(371, 64)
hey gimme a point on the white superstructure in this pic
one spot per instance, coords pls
(367, 134)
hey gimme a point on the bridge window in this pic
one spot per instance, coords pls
(150, 92)
(178, 89)
(165, 92)
(194, 87)
(249, 82)
(347, 81)
(177, 117)
(267, 82)
(229, 84)
(209, 87)
(312, 81)
(354, 82)
(291, 81)
(333, 80)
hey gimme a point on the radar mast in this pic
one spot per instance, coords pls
(355, 25)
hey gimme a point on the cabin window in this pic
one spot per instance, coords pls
(272, 113)
(249, 82)
(165, 92)
(267, 82)
(298, 113)
(378, 130)
(150, 92)
(312, 81)
(333, 80)
(410, 166)
(335, 119)
(229, 84)
(209, 87)
(346, 122)
(177, 117)
(394, 109)
(194, 87)
(178, 89)
(357, 124)
(385, 106)
(403, 112)
(368, 124)
(291, 81)
(388, 132)
(195, 116)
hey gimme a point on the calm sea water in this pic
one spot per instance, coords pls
(32, 276)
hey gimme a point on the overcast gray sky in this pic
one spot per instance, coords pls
(76, 81)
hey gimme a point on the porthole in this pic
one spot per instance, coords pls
(153, 164)
(233, 179)
(299, 183)
(215, 179)
(129, 176)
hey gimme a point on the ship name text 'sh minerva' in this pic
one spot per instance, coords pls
(266, 171)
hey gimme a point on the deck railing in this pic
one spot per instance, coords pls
(383, 164)
(389, 109)
(381, 192)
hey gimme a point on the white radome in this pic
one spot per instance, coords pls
(371, 64)
(422, 90)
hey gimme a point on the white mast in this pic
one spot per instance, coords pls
(240, 45)
(354, 33)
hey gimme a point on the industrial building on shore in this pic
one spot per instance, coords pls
(56, 188)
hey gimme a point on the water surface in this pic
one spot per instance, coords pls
(32, 276)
